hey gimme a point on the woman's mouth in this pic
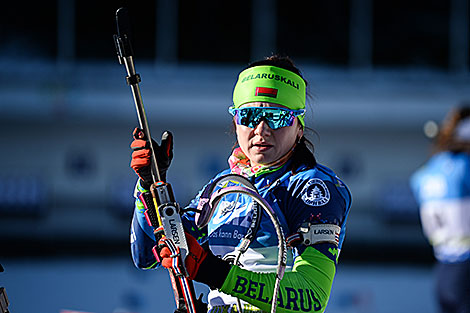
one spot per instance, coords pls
(261, 146)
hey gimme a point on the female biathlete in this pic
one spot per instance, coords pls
(310, 201)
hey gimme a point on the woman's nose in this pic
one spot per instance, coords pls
(262, 128)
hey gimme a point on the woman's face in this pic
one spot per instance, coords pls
(263, 145)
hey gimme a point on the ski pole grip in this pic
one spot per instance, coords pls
(123, 29)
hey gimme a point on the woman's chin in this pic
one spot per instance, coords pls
(260, 159)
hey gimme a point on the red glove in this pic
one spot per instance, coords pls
(201, 265)
(193, 261)
(140, 162)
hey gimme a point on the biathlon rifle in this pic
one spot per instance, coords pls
(162, 211)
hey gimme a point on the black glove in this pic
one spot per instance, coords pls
(141, 156)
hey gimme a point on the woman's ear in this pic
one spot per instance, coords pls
(300, 132)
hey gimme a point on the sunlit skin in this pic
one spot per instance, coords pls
(263, 145)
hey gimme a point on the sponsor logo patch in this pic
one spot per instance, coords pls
(315, 192)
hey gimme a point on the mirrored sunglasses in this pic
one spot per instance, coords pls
(274, 117)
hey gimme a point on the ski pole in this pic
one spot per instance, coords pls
(125, 57)
(162, 210)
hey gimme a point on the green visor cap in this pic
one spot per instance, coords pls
(272, 84)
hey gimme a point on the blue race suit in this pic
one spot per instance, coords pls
(316, 196)
(442, 189)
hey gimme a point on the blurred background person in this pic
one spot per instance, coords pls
(442, 188)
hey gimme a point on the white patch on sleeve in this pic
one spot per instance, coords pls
(315, 192)
(320, 233)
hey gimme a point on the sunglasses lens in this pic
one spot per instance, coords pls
(274, 117)
(278, 118)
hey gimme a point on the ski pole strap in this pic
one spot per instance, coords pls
(182, 288)
(175, 255)
(179, 272)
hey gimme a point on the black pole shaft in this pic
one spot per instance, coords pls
(130, 68)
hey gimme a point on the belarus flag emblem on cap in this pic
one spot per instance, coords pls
(266, 92)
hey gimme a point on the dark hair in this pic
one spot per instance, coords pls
(304, 151)
(446, 139)
(279, 61)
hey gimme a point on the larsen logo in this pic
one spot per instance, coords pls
(323, 232)
(315, 192)
(174, 231)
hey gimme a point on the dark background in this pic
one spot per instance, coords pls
(377, 71)
(405, 33)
